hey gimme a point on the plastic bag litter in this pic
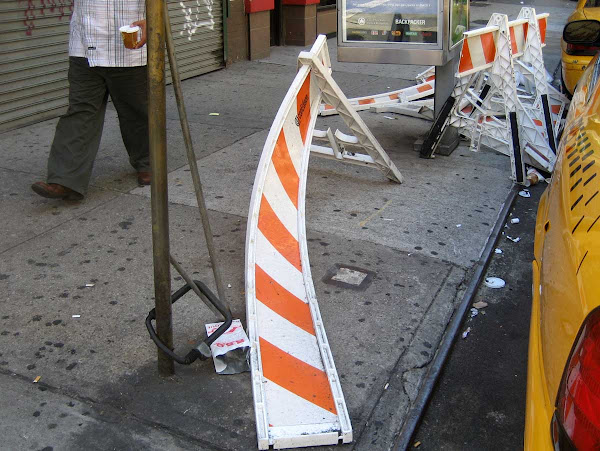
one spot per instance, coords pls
(524, 193)
(231, 351)
(494, 282)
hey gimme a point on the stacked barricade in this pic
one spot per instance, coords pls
(502, 97)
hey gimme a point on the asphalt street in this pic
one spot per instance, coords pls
(479, 401)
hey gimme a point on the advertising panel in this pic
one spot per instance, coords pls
(459, 20)
(389, 21)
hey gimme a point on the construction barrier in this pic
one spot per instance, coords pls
(297, 395)
(502, 98)
(298, 399)
(406, 96)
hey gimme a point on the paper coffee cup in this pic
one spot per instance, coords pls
(130, 36)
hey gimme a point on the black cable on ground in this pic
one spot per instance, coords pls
(435, 368)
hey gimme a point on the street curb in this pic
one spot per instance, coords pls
(435, 368)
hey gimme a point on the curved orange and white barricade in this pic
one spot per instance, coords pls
(298, 399)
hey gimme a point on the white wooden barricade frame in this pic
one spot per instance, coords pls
(297, 394)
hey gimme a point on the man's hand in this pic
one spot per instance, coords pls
(143, 38)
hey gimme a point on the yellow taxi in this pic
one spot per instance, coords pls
(563, 380)
(576, 57)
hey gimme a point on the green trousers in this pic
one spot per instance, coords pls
(78, 132)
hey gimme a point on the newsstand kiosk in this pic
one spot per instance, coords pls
(419, 32)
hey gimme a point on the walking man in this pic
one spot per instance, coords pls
(100, 65)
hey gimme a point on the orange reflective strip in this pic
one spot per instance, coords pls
(303, 108)
(538, 122)
(280, 237)
(489, 47)
(542, 24)
(513, 41)
(282, 302)
(366, 101)
(424, 88)
(555, 109)
(329, 107)
(285, 169)
(525, 30)
(296, 376)
(465, 58)
(431, 78)
(394, 96)
(467, 109)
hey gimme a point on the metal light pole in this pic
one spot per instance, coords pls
(155, 23)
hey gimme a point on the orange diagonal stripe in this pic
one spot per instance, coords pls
(285, 169)
(542, 23)
(489, 47)
(513, 41)
(394, 96)
(366, 101)
(296, 376)
(280, 237)
(303, 108)
(282, 302)
(466, 63)
(424, 88)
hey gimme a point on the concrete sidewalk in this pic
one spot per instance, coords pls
(99, 387)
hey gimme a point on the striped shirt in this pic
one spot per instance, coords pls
(95, 32)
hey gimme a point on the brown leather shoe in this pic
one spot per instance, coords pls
(55, 191)
(144, 178)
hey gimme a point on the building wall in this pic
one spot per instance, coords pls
(326, 21)
(237, 32)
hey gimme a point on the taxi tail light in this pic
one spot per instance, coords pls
(582, 50)
(576, 424)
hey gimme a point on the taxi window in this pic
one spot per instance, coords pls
(592, 4)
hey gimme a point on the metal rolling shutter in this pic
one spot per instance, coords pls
(198, 35)
(33, 61)
(34, 37)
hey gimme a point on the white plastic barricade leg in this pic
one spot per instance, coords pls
(298, 399)
(333, 95)
(533, 58)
